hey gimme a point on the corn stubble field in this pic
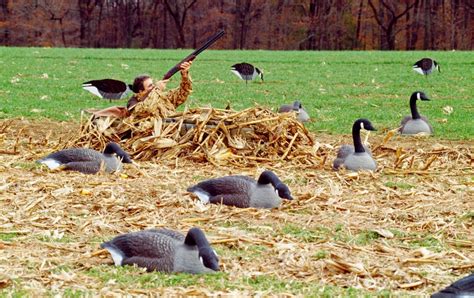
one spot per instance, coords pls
(406, 229)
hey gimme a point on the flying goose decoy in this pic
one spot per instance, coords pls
(357, 157)
(462, 288)
(301, 113)
(87, 160)
(164, 250)
(243, 191)
(107, 88)
(246, 71)
(415, 123)
(426, 66)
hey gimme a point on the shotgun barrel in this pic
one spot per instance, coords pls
(193, 55)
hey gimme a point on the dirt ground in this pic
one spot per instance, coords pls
(407, 228)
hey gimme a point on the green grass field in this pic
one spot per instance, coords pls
(335, 87)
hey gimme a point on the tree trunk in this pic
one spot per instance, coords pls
(4, 18)
(427, 24)
(359, 16)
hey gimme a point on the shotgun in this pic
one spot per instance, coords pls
(193, 55)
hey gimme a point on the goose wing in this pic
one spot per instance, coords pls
(86, 167)
(74, 154)
(224, 185)
(342, 154)
(106, 88)
(170, 233)
(143, 244)
(245, 69)
(241, 200)
(285, 109)
(426, 64)
(404, 121)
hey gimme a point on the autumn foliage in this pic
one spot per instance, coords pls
(249, 24)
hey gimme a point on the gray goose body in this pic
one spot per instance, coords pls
(462, 288)
(243, 191)
(87, 160)
(301, 113)
(246, 71)
(415, 123)
(426, 66)
(107, 88)
(357, 157)
(164, 250)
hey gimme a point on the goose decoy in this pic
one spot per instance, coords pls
(462, 288)
(246, 71)
(301, 113)
(243, 191)
(357, 157)
(87, 160)
(426, 66)
(164, 250)
(107, 88)
(415, 123)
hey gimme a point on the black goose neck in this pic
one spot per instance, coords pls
(196, 237)
(268, 177)
(356, 138)
(413, 108)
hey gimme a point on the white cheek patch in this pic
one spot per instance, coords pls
(276, 191)
(362, 125)
(202, 261)
(418, 96)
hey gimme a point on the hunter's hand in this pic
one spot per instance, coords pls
(185, 66)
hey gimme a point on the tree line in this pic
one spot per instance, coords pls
(249, 24)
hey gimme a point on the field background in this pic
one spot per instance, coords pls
(406, 229)
(335, 87)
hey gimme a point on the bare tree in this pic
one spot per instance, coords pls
(4, 15)
(178, 10)
(86, 8)
(388, 25)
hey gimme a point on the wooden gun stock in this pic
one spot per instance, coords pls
(193, 55)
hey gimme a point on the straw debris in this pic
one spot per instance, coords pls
(407, 229)
(205, 134)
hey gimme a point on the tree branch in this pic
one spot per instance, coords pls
(376, 16)
(406, 10)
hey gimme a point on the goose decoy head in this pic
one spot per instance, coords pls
(297, 105)
(364, 124)
(114, 148)
(259, 73)
(436, 65)
(209, 258)
(419, 95)
(283, 191)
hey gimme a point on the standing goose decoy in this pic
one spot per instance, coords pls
(164, 250)
(246, 71)
(301, 113)
(415, 123)
(426, 66)
(462, 288)
(243, 191)
(107, 88)
(357, 157)
(88, 161)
